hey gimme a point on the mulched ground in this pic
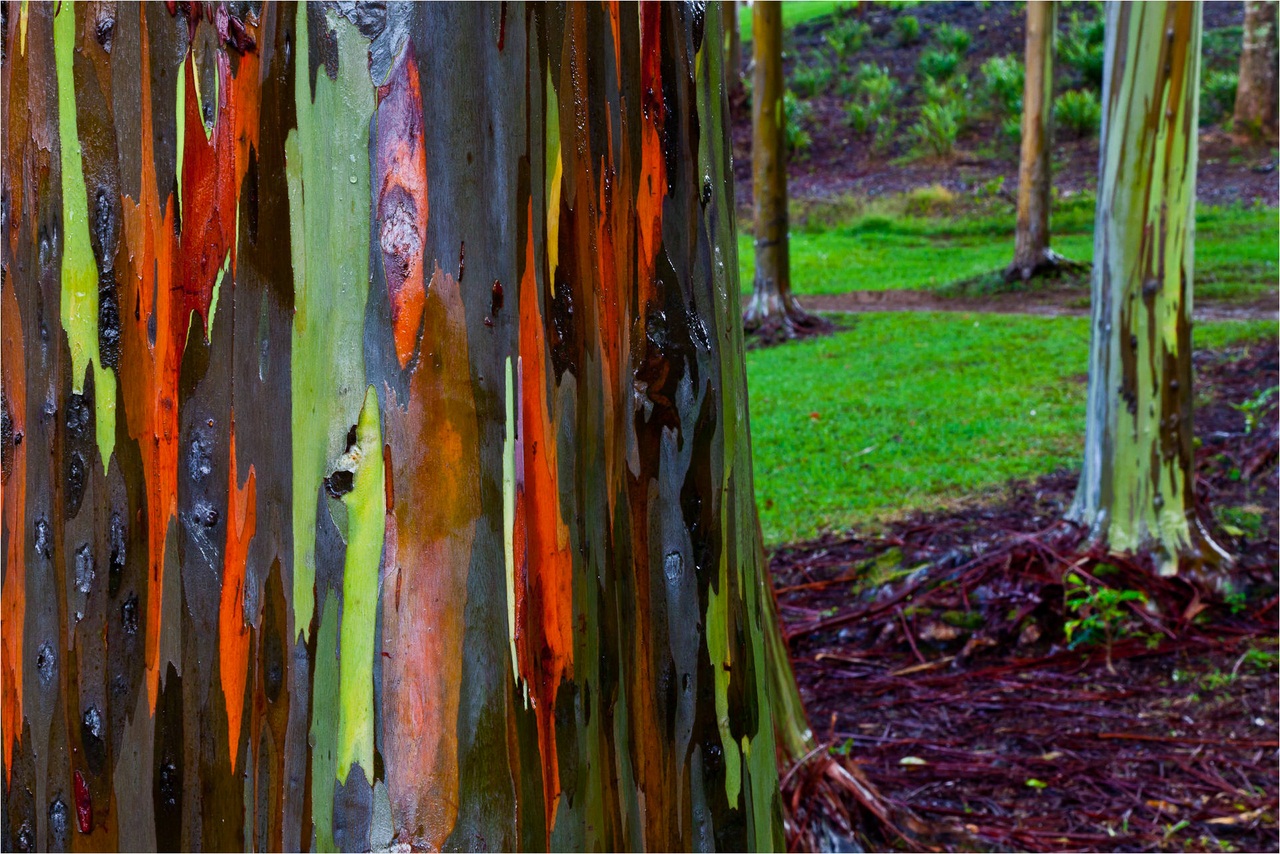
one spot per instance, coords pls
(840, 162)
(933, 655)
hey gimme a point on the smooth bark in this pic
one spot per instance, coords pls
(772, 310)
(1258, 89)
(1031, 254)
(733, 62)
(1137, 487)
(376, 456)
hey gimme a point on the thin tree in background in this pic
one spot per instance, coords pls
(1031, 254)
(733, 61)
(772, 312)
(1258, 89)
(1136, 490)
(376, 456)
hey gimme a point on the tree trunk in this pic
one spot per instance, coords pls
(1258, 90)
(376, 454)
(733, 73)
(1031, 254)
(772, 312)
(1137, 488)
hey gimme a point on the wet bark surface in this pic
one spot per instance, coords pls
(376, 457)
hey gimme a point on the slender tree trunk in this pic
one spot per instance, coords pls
(1137, 487)
(733, 71)
(376, 454)
(1031, 254)
(773, 312)
(1258, 90)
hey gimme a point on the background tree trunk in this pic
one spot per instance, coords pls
(1031, 254)
(1258, 92)
(773, 311)
(376, 454)
(1137, 487)
(733, 32)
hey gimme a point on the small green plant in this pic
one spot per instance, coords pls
(873, 110)
(1240, 521)
(1078, 111)
(847, 37)
(1253, 407)
(808, 78)
(953, 94)
(936, 129)
(1081, 47)
(798, 115)
(907, 29)
(952, 38)
(1235, 598)
(1097, 612)
(1003, 80)
(1217, 96)
(938, 65)
(1011, 129)
(1261, 659)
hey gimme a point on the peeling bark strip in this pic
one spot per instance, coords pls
(305, 541)
(1136, 489)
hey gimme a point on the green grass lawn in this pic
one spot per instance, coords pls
(793, 12)
(907, 411)
(1236, 251)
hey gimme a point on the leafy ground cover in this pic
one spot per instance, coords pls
(907, 411)
(891, 97)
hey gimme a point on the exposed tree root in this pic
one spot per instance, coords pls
(1047, 264)
(771, 319)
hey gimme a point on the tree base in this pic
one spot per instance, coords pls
(772, 319)
(1200, 561)
(1042, 264)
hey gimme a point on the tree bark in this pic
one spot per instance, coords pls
(733, 32)
(376, 455)
(1031, 254)
(1258, 90)
(1137, 487)
(773, 311)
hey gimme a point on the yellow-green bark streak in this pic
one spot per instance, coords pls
(1135, 491)
(79, 270)
(327, 163)
(366, 525)
(776, 697)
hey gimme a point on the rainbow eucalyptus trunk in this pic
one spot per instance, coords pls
(1031, 253)
(1137, 488)
(1258, 90)
(376, 458)
(773, 311)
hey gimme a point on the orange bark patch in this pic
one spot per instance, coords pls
(168, 277)
(544, 562)
(233, 634)
(653, 163)
(13, 595)
(428, 553)
(402, 199)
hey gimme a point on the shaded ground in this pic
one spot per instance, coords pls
(1050, 300)
(840, 162)
(933, 655)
